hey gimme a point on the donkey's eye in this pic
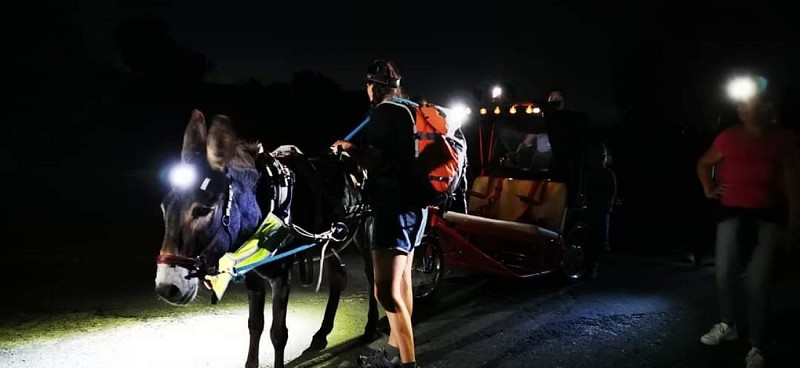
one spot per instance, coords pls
(201, 211)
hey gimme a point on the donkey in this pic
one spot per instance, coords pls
(207, 220)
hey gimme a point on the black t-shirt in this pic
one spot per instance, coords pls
(392, 183)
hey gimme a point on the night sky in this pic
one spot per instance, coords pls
(604, 55)
(81, 124)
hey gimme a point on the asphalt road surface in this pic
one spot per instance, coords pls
(643, 311)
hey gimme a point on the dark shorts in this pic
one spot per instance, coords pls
(399, 230)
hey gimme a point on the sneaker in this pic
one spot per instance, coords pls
(378, 360)
(720, 332)
(754, 358)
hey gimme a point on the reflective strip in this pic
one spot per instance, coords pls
(424, 223)
(274, 257)
(205, 183)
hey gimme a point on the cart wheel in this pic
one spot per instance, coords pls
(427, 268)
(573, 261)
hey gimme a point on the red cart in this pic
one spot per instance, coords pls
(525, 206)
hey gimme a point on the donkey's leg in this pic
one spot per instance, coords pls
(371, 328)
(280, 301)
(256, 294)
(338, 281)
(364, 247)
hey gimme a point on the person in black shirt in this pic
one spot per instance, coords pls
(386, 150)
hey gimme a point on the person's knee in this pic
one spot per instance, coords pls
(384, 293)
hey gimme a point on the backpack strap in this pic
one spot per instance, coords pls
(427, 136)
(404, 103)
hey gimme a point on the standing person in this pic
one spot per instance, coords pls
(757, 178)
(387, 152)
(601, 195)
(600, 188)
(555, 98)
(534, 152)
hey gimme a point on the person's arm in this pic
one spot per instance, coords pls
(379, 131)
(366, 157)
(704, 167)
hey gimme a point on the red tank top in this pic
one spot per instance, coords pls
(751, 168)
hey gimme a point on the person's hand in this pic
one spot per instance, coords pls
(341, 145)
(716, 192)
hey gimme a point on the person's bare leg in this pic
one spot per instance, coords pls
(408, 294)
(408, 289)
(390, 266)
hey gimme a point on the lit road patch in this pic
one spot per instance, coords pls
(218, 338)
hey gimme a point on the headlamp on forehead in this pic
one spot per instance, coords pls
(744, 88)
(383, 72)
(388, 82)
(183, 176)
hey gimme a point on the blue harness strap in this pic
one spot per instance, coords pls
(240, 271)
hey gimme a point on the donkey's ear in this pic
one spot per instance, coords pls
(221, 142)
(194, 138)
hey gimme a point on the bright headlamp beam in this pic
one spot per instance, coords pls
(182, 176)
(457, 114)
(497, 92)
(742, 88)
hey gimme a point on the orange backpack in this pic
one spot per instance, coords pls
(440, 149)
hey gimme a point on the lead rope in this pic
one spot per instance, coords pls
(327, 236)
(322, 263)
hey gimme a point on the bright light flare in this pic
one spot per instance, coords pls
(457, 114)
(742, 88)
(497, 92)
(183, 176)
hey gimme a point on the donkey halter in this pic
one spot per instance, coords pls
(198, 266)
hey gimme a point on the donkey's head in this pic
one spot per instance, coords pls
(210, 207)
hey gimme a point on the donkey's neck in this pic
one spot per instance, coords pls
(247, 177)
(244, 180)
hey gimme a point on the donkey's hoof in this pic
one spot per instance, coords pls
(317, 344)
